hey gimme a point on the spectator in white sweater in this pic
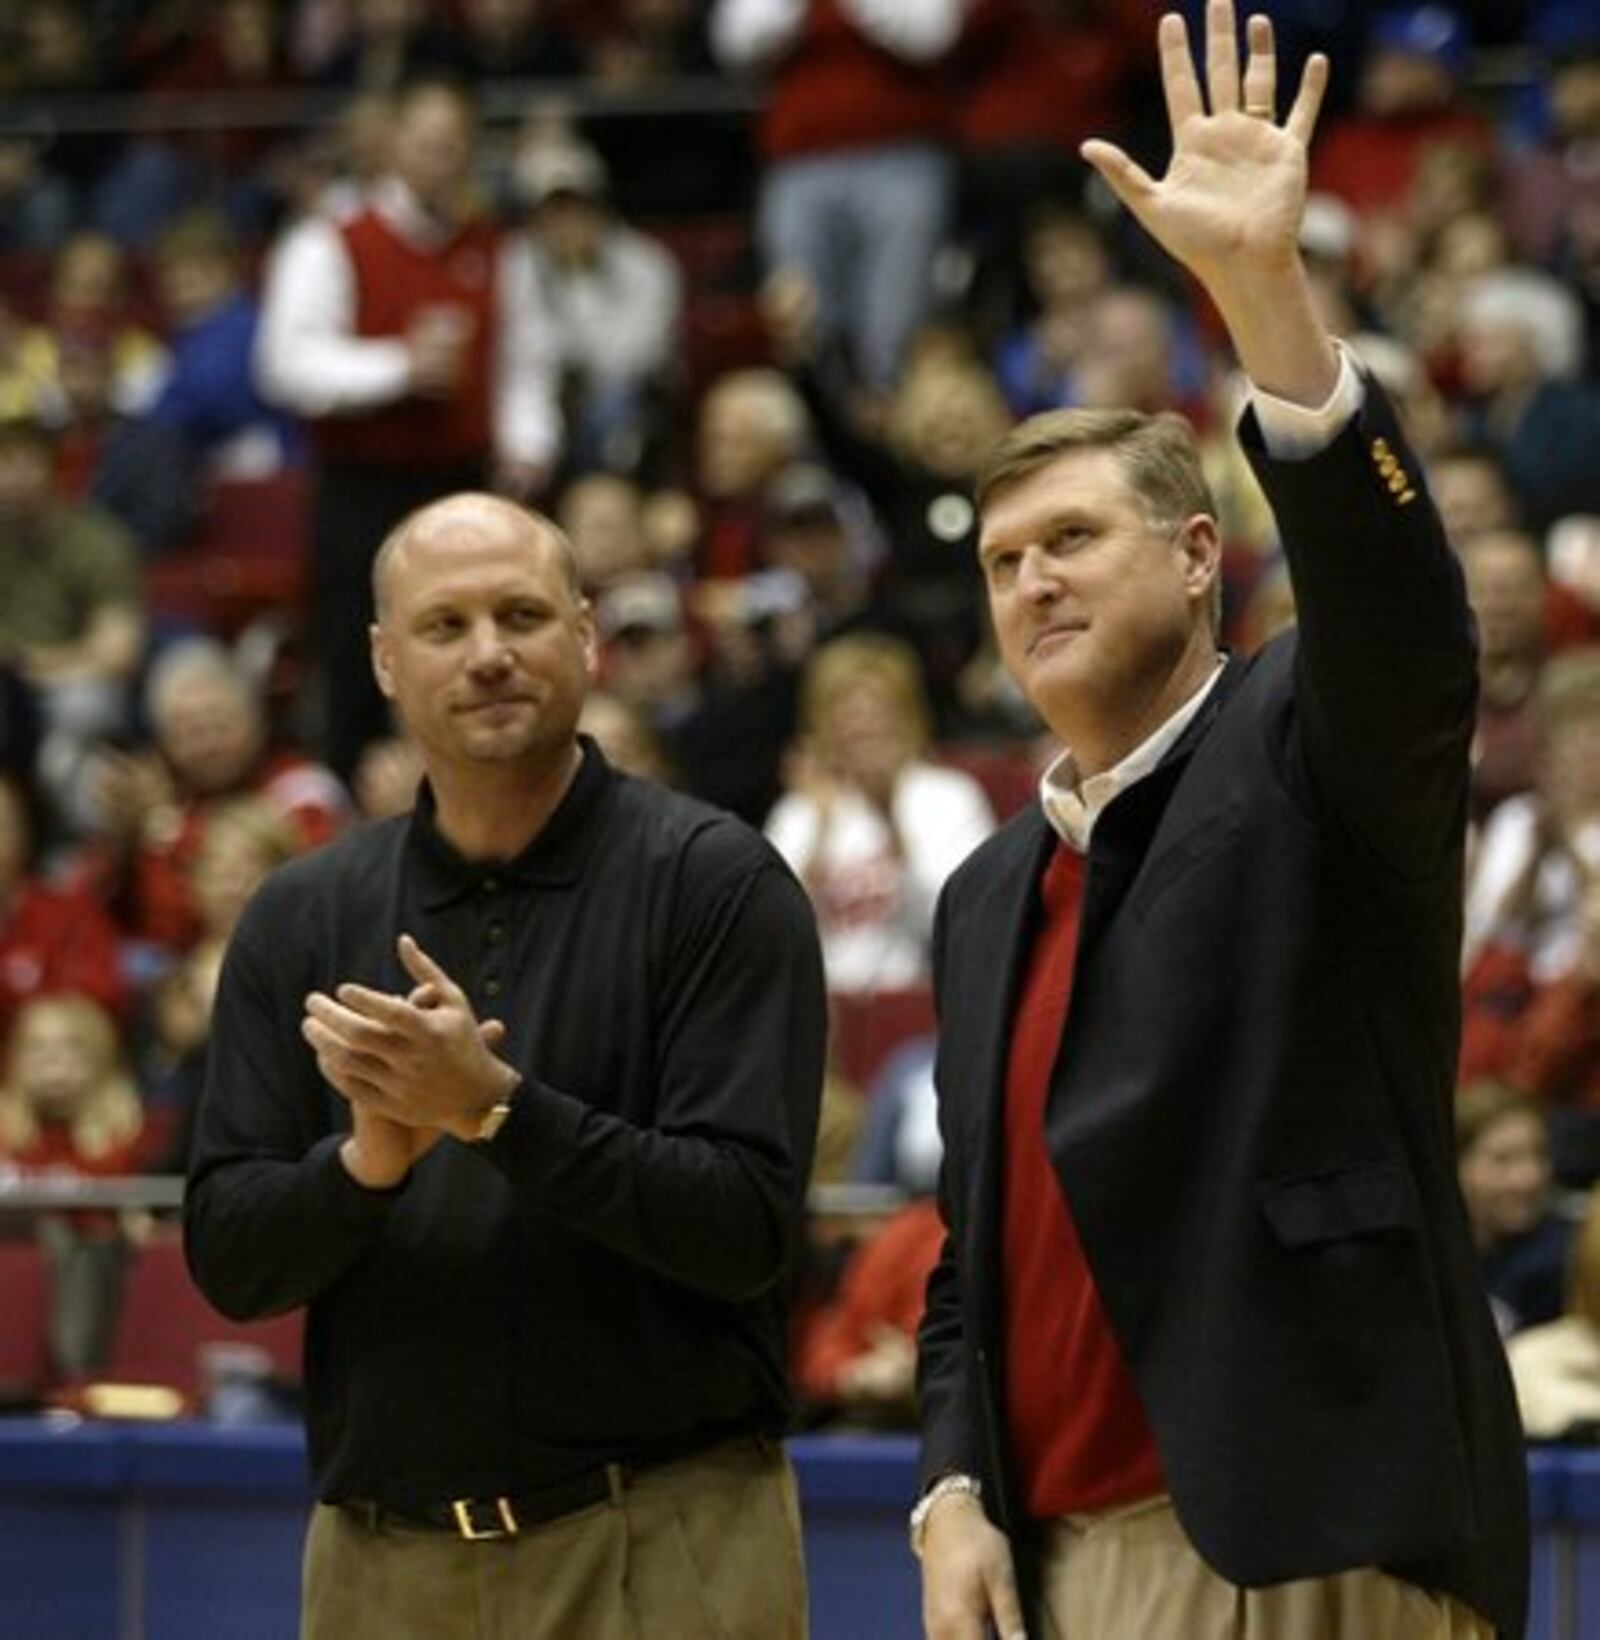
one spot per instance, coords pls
(870, 826)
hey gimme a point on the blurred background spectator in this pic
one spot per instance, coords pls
(211, 742)
(1503, 1163)
(869, 826)
(73, 618)
(611, 301)
(858, 187)
(55, 933)
(411, 336)
(1556, 1366)
(69, 1104)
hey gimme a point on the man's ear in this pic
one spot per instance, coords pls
(591, 640)
(1200, 541)
(381, 668)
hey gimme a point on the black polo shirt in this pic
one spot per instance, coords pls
(606, 1278)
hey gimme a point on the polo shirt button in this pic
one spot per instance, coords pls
(496, 933)
(491, 987)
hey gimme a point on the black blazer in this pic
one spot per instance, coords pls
(1251, 1110)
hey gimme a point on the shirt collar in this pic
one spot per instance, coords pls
(554, 857)
(394, 201)
(1072, 805)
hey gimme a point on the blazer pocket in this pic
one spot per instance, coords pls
(1354, 1201)
(1165, 870)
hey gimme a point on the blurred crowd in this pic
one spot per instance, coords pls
(739, 291)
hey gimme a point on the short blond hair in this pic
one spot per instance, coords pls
(1158, 455)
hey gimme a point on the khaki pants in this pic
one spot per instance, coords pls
(1132, 1574)
(707, 1548)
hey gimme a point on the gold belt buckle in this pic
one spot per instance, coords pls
(462, 1509)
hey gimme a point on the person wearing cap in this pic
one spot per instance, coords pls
(611, 296)
(517, 1093)
(1206, 1351)
(408, 336)
(808, 530)
(722, 709)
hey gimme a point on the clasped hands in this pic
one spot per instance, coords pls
(413, 1067)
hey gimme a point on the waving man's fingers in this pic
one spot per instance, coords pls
(1261, 70)
(1302, 120)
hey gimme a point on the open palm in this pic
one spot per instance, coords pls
(1236, 183)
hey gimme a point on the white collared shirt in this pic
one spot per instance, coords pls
(1072, 805)
(310, 361)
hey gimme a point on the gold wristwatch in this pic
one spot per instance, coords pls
(493, 1119)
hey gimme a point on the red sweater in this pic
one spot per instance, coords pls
(158, 893)
(1079, 1435)
(57, 938)
(837, 90)
(1030, 77)
(395, 281)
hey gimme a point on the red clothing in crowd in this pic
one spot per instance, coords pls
(162, 907)
(1542, 1038)
(1031, 79)
(396, 281)
(57, 937)
(1078, 1430)
(52, 1151)
(882, 1286)
(1370, 160)
(836, 90)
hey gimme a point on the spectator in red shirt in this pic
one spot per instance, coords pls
(53, 936)
(1409, 100)
(1506, 588)
(68, 1105)
(212, 743)
(857, 1354)
(244, 839)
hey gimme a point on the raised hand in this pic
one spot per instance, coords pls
(1229, 207)
(1236, 183)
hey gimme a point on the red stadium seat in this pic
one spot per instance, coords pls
(250, 555)
(25, 1328)
(164, 1323)
(869, 1027)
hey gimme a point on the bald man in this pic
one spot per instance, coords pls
(517, 1093)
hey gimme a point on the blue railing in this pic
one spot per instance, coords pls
(122, 1531)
